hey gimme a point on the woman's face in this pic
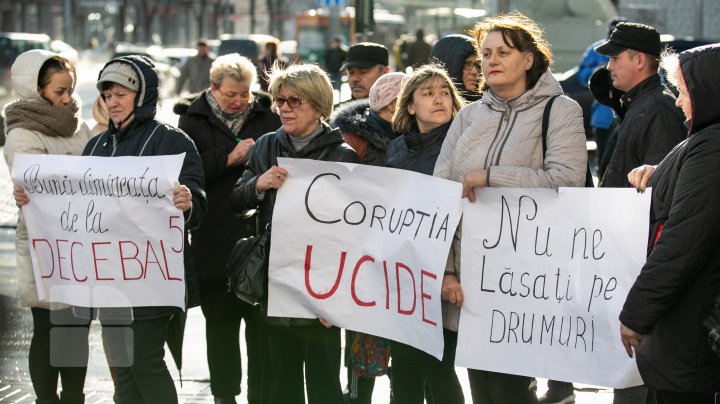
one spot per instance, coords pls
(683, 99)
(470, 73)
(59, 90)
(504, 68)
(120, 102)
(431, 104)
(232, 95)
(301, 118)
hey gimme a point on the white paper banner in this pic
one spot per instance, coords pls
(545, 275)
(104, 232)
(363, 247)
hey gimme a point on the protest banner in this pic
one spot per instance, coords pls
(363, 247)
(104, 232)
(545, 274)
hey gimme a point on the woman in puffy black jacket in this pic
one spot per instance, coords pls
(458, 54)
(425, 109)
(677, 288)
(303, 95)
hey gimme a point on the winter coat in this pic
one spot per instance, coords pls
(267, 150)
(678, 285)
(417, 151)
(196, 73)
(364, 130)
(20, 140)
(213, 241)
(504, 138)
(146, 136)
(451, 51)
(652, 126)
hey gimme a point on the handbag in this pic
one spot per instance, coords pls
(247, 267)
(589, 183)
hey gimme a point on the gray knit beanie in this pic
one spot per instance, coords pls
(120, 73)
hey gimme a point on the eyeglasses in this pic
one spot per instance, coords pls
(293, 102)
(470, 63)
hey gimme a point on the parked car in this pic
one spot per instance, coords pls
(13, 44)
(167, 73)
(574, 89)
(65, 50)
(250, 46)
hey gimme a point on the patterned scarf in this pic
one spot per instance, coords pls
(234, 122)
(61, 121)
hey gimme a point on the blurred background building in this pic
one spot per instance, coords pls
(570, 24)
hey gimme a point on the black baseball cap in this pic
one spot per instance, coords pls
(366, 54)
(631, 35)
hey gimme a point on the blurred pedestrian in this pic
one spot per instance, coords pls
(224, 122)
(100, 114)
(517, 84)
(302, 354)
(662, 318)
(366, 62)
(425, 109)
(418, 51)
(335, 56)
(458, 54)
(266, 62)
(195, 73)
(45, 119)
(652, 125)
(366, 124)
(129, 86)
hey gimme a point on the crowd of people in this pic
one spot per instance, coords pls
(471, 111)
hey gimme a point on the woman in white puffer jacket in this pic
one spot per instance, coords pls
(45, 120)
(497, 142)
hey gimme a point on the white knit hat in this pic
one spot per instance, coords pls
(386, 89)
(120, 73)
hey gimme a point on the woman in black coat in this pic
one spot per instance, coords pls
(458, 54)
(662, 318)
(295, 347)
(224, 121)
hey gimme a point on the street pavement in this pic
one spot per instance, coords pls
(16, 322)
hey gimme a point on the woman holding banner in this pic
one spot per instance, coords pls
(46, 120)
(425, 109)
(667, 312)
(303, 96)
(497, 143)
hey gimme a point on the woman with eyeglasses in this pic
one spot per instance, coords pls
(424, 112)
(498, 143)
(458, 54)
(303, 96)
(224, 121)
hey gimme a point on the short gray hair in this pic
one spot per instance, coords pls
(234, 66)
(311, 83)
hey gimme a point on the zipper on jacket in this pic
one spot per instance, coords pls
(114, 145)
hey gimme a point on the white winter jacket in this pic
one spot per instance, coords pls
(504, 138)
(19, 140)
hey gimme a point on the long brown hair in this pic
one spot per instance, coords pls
(521, 33)
(402, 120)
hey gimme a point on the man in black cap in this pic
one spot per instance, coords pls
(196, 70)
(653, 125)
(366, 62)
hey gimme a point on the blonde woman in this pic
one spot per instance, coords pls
(303, 96)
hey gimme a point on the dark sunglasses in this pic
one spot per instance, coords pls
(293, 102)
